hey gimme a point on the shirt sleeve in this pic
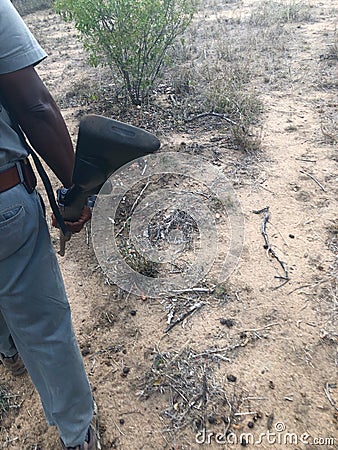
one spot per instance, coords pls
(18, 47)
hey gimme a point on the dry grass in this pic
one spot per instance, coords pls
(195, 396)
(271, 12)
(215, 75)
(328, 306)
(8, 402)
(4, 402)
(329, 129)
(328, 81)
(28, 6)
(220, 67)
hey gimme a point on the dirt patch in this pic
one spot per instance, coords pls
(253, 355)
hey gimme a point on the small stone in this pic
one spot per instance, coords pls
(211, 420)
(133, 312)
(228, 322)
(251, 424)
(231, 378)
(85, 351)
(291, 236)
(125, 371)
(122, 421)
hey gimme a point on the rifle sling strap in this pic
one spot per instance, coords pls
(50, 193)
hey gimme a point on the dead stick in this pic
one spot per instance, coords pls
(211, 113)
(314, 179)
(252, 330)
(138, 197)
(327, 393)
(192, 290)
(267, 245)
(306, 160)
(184, 315)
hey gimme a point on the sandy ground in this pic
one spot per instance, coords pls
(282, 339)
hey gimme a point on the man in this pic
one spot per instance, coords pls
(35, 320)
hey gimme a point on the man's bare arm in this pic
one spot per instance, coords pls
(30, 102)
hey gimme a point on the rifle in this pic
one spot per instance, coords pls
(103, 146)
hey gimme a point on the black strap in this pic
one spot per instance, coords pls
(50, 193)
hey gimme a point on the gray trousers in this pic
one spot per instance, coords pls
(35, 315)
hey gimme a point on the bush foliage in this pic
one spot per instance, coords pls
(131, 36)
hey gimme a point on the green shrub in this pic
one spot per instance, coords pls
(132, 37)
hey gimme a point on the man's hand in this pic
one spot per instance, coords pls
(75, 227)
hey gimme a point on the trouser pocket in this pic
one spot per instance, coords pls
(12, 221)
(18, 219)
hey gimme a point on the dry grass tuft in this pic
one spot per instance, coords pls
(271, 12)
(4, 402)
(195, 395)
(8, 402)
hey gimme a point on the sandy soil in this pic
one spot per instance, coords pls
(281, 340)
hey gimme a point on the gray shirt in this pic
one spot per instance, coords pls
(18, 49)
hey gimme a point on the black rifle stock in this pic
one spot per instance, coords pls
(103, 146)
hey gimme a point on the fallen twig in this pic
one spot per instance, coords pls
(211, 113)
(267, 245)
(306, 160)
(327, 393)
(119, 429)
(314, 179)
(308, 285)
(138, 197)
(183, 316)
(193, 290)
(253, 330)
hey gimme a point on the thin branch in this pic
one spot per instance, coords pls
(314, 179)
(327, 393)
(183, 316)
(193, 290)
(267, 245)
(253, 330)
(211, 113)
(138, 197)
